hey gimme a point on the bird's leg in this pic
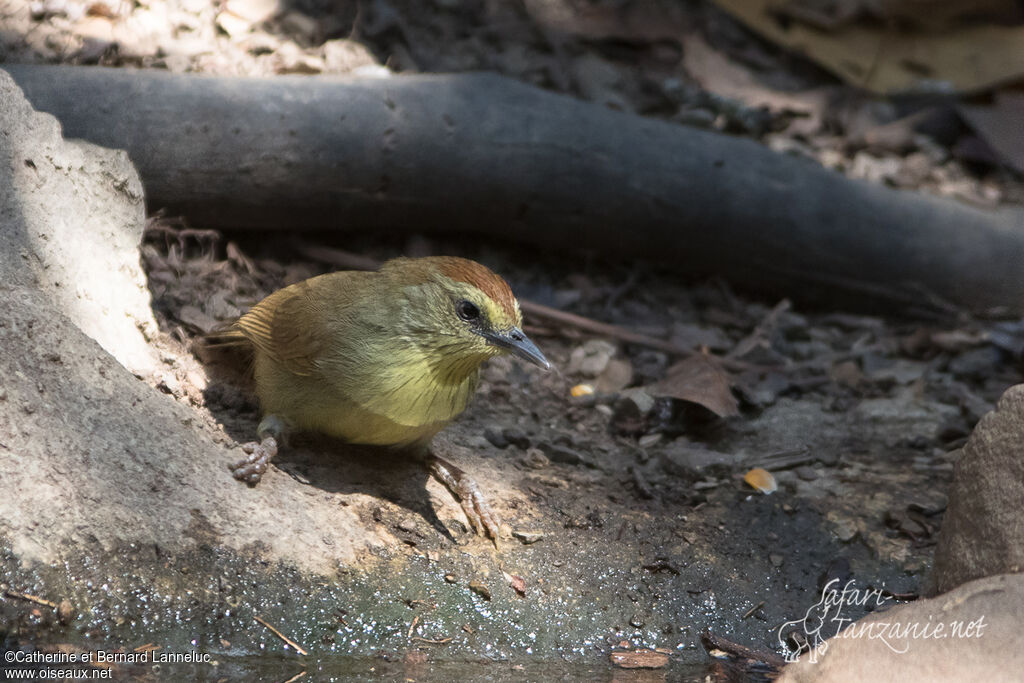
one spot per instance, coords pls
(250, 470)
(481, 517)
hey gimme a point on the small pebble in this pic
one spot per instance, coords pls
(65, 612)
(535, 459)
(581, 390)
(516, 437)
(564, 455)
(807, 473)
(480, 589)
(496, 438)
(528, 537)
(648, 440)
(845, 530)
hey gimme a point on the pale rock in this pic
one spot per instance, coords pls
(96, 28)
(343, 56)
(252, 11)
(233, 25)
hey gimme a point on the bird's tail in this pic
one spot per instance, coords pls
(230, 335)
(226, 353)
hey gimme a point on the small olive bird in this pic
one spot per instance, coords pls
(386, 358)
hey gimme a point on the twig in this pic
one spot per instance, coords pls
(296, 677)
(740, 660)
(412, 626)
(900, 596)
(603, 329)
(785, 459)
(178, 229)
(439, 641)
(762, 331)
(416, 602)
(31, 598)
(286, 639)
(750, 612)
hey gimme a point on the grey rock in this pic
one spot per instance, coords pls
(976, 363)
(905, 415)
(516, 436)
(535, 459)
(983, 529)
(694, 336)
(636, 401)
(807, 473)
(687, 460)
(616, 376)
(72, 216)
(899, 371)
(985, 646)
(591, 358)
(497, 439)
(566, 455)
(100, 433)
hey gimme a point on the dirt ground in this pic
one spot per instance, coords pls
(857, 417)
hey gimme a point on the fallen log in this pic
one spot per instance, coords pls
(481, 153)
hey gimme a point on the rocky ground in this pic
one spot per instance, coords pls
(625, 476)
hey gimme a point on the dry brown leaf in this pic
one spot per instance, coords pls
(639, 659)
(716, 72)
(999, 125)
(888, 60)
(517, 583)
(699, 379)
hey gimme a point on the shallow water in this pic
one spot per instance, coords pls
(409, 667)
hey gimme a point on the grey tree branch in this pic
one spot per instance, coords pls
(484, 154)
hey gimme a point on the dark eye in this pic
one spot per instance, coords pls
(467, 310)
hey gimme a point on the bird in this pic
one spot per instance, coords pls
(383, 358)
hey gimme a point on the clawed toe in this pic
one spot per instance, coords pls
(482, 518)
(480, 515)
(252, 467)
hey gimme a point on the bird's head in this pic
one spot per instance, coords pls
(462, 309)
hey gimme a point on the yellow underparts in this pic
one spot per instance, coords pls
(399, 405)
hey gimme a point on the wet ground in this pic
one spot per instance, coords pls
(630, 528)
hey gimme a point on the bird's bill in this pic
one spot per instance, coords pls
(518, 344)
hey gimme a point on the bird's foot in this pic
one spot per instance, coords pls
(481, 517)
(251, 469)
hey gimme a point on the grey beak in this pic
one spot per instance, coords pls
(518, 344)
